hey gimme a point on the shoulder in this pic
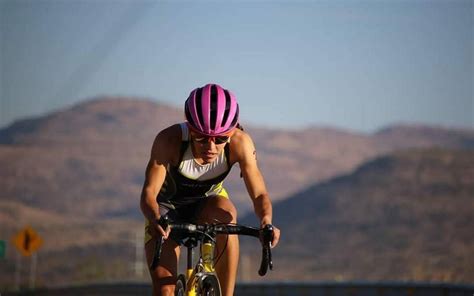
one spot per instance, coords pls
(241, 146)
(170, 134)
(239, 138)
(167, 143)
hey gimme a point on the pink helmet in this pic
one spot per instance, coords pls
(211, 110)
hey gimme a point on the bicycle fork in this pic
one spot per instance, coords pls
(204, 265)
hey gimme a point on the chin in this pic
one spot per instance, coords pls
(208, 159)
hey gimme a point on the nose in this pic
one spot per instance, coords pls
(210, 144)
(210, 140)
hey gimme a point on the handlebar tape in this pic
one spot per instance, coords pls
(267, 236)
(163, 222)
(157, 254)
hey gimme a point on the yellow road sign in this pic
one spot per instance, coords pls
(27, 241)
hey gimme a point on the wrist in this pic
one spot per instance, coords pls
(265, 220)
(153, 218)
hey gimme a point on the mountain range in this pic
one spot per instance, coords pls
(404, 216)
(76, 176)
(95, 153)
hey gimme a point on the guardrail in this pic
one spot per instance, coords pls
(275, 289)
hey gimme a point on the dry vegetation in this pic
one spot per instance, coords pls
(76, 175)
(406, 216)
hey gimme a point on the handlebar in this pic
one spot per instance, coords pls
(211, 230)
(267, 236)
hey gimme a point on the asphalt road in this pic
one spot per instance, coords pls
(282, 289)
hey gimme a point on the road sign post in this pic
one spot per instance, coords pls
(27, 241)
(34, 260)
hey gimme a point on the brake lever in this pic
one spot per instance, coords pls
(157, 254)
(163, 222)
(267, 236)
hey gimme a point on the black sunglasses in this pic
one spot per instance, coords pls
(205, 139)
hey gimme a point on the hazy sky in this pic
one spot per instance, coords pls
(359, 65)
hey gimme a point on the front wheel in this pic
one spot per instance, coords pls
(180, 289)
(209, 285)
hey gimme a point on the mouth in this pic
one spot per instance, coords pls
(209, 154)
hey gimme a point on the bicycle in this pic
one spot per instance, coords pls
(201, 278)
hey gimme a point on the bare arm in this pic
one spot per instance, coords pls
(154, 177)
(161, 155)
(247, 159)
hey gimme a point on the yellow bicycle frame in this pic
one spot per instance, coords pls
(207, 255)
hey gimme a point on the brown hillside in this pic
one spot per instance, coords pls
(74, 249)
(406, 216)
(75, 175)
(91, 157)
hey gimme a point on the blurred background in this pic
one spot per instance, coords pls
(362, 113)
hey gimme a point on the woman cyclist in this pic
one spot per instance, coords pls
(184, 180)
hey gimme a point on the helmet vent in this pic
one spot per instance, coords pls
(236, 116)
(213, 107)
(199, 106)
(227, 107)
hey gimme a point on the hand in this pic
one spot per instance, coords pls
(157, 230)
(163, 232)
(275, 235)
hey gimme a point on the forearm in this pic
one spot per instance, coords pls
(263, 209)
(149, 205)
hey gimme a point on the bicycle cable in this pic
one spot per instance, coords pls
(226, 241)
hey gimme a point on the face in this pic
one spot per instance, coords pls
(207, 148)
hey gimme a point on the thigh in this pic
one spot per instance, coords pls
(217, 209)
(166, 272)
